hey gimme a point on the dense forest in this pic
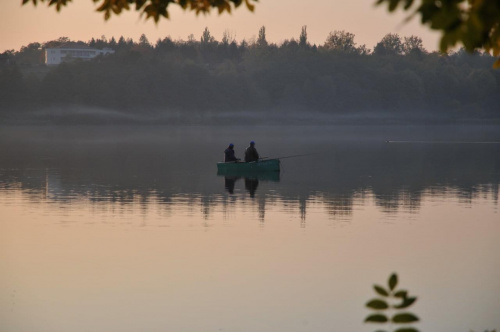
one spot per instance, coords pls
(206, 79)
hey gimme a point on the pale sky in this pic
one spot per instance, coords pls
(283, 19)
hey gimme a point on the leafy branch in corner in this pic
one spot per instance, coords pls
(474, 24)
(392, 299)
(153, 8)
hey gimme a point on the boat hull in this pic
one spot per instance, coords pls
(267, 165)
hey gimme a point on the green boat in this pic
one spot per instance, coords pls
(262, 165)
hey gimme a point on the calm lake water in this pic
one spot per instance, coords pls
(131, 229)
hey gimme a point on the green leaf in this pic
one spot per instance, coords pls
(377, 304)
(408, 4)
(393, 281)
(380, 290)
(407, 329)
(377, 318)
(401, 293)
(407, 301)
(393, 4)
(249, 5)
(405, 318)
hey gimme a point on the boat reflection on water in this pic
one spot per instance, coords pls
(251, 179)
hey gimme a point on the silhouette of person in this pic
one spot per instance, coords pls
(251, 153)
(229, 154)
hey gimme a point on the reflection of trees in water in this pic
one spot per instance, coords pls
(339, 206)
(397, 177)
(402, 199)
(63, 187)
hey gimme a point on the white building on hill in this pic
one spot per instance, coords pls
(63, 53)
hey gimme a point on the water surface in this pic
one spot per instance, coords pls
(131, 229)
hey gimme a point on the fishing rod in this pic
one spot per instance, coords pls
(446, 142)
(293, 156)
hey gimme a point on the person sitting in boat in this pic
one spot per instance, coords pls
(251, 153)
(229, 154)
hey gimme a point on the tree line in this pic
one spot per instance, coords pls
(398, 78)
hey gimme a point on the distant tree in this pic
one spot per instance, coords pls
(275, 77)
(206, 37)
(261, 40)
(482, 84)
(56, 43)
(303, 37)
(112, 42)
(290, 44)
(101, 42)
(31, 54)
(122, 44)
(11, 85)
(143, 46)
(143, 41)
(165, 44)
(7, 58)
(121, 41)
(363, 50)
(63, 40)
(389, 45)
(227, 37)
(342, 41)
(413, 45)
(228, 48)
(191, 39)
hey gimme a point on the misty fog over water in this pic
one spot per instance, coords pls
(391, 162)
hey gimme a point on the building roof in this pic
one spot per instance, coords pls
(73, 45)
